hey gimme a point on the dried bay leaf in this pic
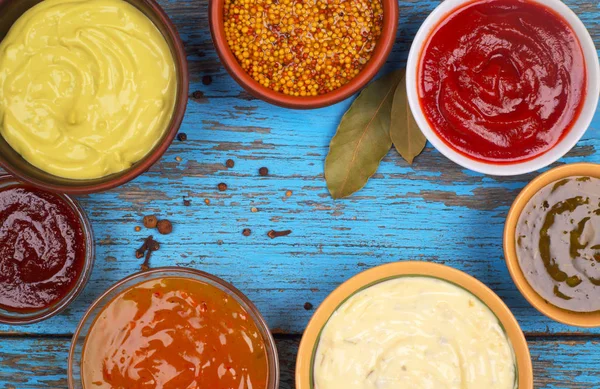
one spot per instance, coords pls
(362, 138)
(408, 139)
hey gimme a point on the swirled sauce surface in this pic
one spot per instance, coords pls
(502, 81)
(174, 333)
(558, 243)
(87, 87)
(414, 332)
(42, 249)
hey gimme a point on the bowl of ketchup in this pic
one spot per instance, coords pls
(46, 252)
(503, 87)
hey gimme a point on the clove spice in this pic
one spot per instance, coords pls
(147, 248)
(276, 234)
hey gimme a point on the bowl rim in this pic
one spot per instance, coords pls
(382, 50)
(381, 273)
(183, 272)
(140, 167)
(88, 265)
(578, 319)
(545, 159)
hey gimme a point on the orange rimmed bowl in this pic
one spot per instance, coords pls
(378, 59)
(579, 319)
(311, 337)
(15, 164)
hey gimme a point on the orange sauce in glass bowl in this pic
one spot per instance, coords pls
(174, 333)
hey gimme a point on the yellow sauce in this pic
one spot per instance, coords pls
(414, 332)
(87, 87)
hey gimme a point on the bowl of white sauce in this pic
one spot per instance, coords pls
(413, 325)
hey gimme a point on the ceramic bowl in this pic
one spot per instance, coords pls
(311, 337)
(10, 11)
(78, 342)
(579, 128)
(9, 317)
(382, 50)
(579, 319)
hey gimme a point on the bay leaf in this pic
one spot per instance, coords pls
(362, 138)
(408, 139)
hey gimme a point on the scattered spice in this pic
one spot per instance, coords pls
(222, 187)
(138, 228)
(276, 234)
(187, 202)
(182, 136)
(288, 193)
(206, 201)
(308, 306)
(147, 248)
(198, 94)
(230, 163)
(246, 232)
(254, 209)
(150, 221)
(164, 227)
(263, 171)
(178, 159)
(207, 80)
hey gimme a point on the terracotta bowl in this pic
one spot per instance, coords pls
(10, 11)
(311, 337)
(579, 319)
(382, 50)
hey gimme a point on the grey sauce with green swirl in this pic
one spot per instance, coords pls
(558, 243)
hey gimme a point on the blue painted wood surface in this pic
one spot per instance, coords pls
(432, 211)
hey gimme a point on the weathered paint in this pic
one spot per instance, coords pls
(432, 211)
(30, 363)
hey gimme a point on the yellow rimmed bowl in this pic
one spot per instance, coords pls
(311, 338)
(579, 319)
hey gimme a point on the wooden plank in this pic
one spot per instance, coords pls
(29, 363)
(432, 210)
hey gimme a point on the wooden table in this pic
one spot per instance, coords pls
(430, 211)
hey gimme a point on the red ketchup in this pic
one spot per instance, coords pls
(502, 81)
(42, 249)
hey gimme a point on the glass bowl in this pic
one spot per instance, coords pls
(78, 342)
(10, 317)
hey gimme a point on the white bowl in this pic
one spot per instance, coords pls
(579, 127)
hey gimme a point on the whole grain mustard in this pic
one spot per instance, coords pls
(87, 87)
(303, 47)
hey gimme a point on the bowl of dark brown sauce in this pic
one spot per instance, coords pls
(46, 252)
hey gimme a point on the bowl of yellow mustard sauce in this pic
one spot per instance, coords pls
(92, 92)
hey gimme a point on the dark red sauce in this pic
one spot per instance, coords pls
(502, 81)
(42, 249)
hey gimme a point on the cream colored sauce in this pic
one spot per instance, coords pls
(414, 333)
